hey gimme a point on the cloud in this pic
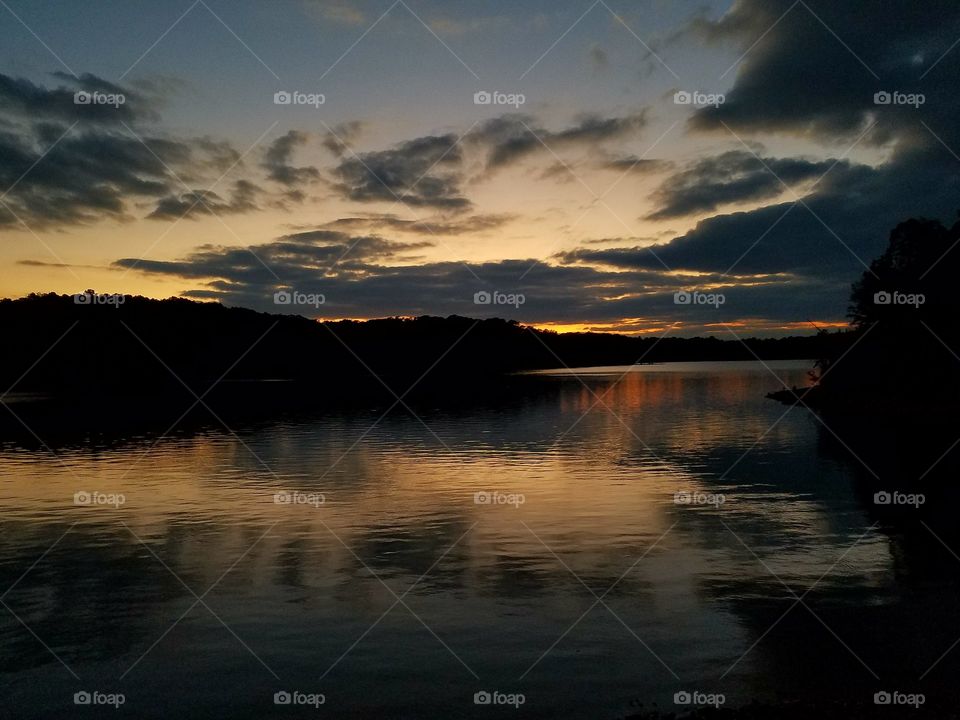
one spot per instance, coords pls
(599, 58)
(277, 161)
(633, 164)
(371, 276)
(339, 11)
(338, 139)
(205, 202)
(65, 164)
(309, 254)
(26, 100)
(462, 225)
(732, 177)
(814, 73)
(782, 238)
(797, 79)
(424, 172)
(510, 138)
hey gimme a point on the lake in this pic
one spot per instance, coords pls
(597, 544)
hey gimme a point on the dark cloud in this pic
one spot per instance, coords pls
(89, 175)
(510, 138)
(732, 177)
(219, 155)
(633, 164)
(277, 161)
(797, 78)
(831, 233)
(367, 276)
(783, 238)
(461, 225)
(24, 99)
(815, 71)
(311, 254)
(558, 172)
(205, 202)
(424, 172)
(338, 139)
(62, 163)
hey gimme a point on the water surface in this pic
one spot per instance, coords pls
(612, 538)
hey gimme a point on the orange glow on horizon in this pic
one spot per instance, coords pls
(640, 326)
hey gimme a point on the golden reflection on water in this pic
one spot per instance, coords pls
(595, 472)
(589, 498)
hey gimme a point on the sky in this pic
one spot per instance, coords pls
(641, 167)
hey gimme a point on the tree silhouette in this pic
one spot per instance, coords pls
(905, 308)
(918, 261)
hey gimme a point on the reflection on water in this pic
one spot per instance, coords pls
(400, 595)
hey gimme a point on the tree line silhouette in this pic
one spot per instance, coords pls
(154, 347)
(902, 352)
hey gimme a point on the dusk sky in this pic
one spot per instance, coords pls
(591, 191)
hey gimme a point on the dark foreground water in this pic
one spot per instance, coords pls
(583, 556)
